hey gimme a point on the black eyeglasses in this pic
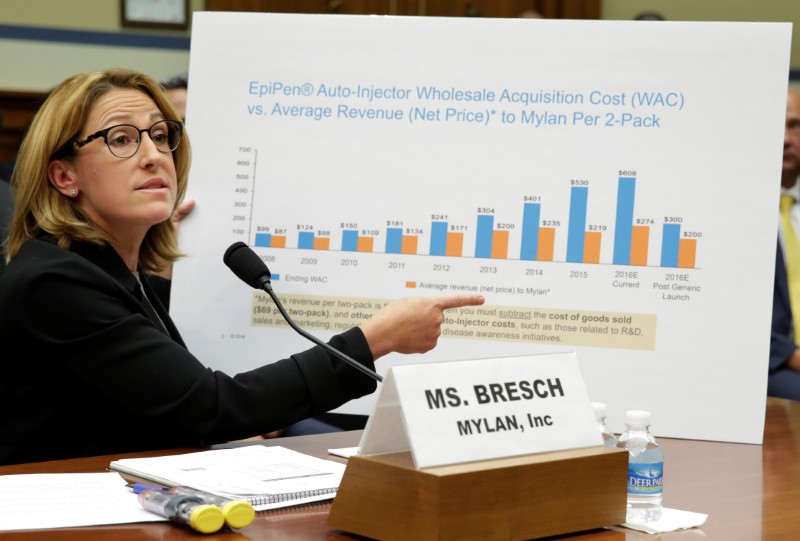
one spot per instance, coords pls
(123, 140)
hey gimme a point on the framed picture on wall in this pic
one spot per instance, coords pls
(155, 13)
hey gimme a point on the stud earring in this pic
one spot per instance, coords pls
(73, 192)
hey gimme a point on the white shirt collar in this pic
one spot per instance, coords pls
(793, 191)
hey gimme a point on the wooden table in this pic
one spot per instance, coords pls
(750, 492)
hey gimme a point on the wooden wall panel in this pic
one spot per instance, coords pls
(551, 9)
(352, 7)
(16, 111)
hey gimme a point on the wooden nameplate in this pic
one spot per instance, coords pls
(526, 497)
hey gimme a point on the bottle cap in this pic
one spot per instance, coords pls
(206, 518)
(600, 410)
(238, 513)
(637, 417)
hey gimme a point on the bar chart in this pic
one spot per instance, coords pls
(534, 238)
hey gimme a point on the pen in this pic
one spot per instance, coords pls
(237, 513)
(183, 509)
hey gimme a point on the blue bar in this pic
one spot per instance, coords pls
(483, 242)
(305, 240)
(577, 223)
(623, 229)
(439, 238)
(394, 240)
(530, 231)
(349, 240)
(671, 234)
(263, 240)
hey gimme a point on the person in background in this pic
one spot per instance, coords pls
(784, 356)
(530, 14)
(649, 16)
(177, 90)
(92, 363)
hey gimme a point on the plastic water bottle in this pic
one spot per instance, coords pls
(645, 468)
(609, 439)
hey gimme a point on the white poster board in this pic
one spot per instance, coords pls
(610, 186)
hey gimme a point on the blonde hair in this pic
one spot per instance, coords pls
(40, 208)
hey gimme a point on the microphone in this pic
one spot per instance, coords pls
(250, 269)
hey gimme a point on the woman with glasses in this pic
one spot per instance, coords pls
(92, 363)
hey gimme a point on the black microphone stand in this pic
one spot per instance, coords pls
(246, 264)
(266, 286)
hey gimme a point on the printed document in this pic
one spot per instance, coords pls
(63, 500)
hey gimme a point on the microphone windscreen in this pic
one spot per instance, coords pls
(246, 264)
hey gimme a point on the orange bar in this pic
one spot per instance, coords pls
(322, 243)
(408, 244)
(687, 252)
(640, 238)
(365, 244)
(591, 246)
(547, 243)
(499, 244)
(455, 245)
(411, 285)
(278, 241)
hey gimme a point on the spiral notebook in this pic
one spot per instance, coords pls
(267, 477)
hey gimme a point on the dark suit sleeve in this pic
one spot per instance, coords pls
(74, 315)
(782, 343)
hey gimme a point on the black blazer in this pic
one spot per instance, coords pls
(84, 371)
(782, 343)
(783, 381)
(6, 213)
